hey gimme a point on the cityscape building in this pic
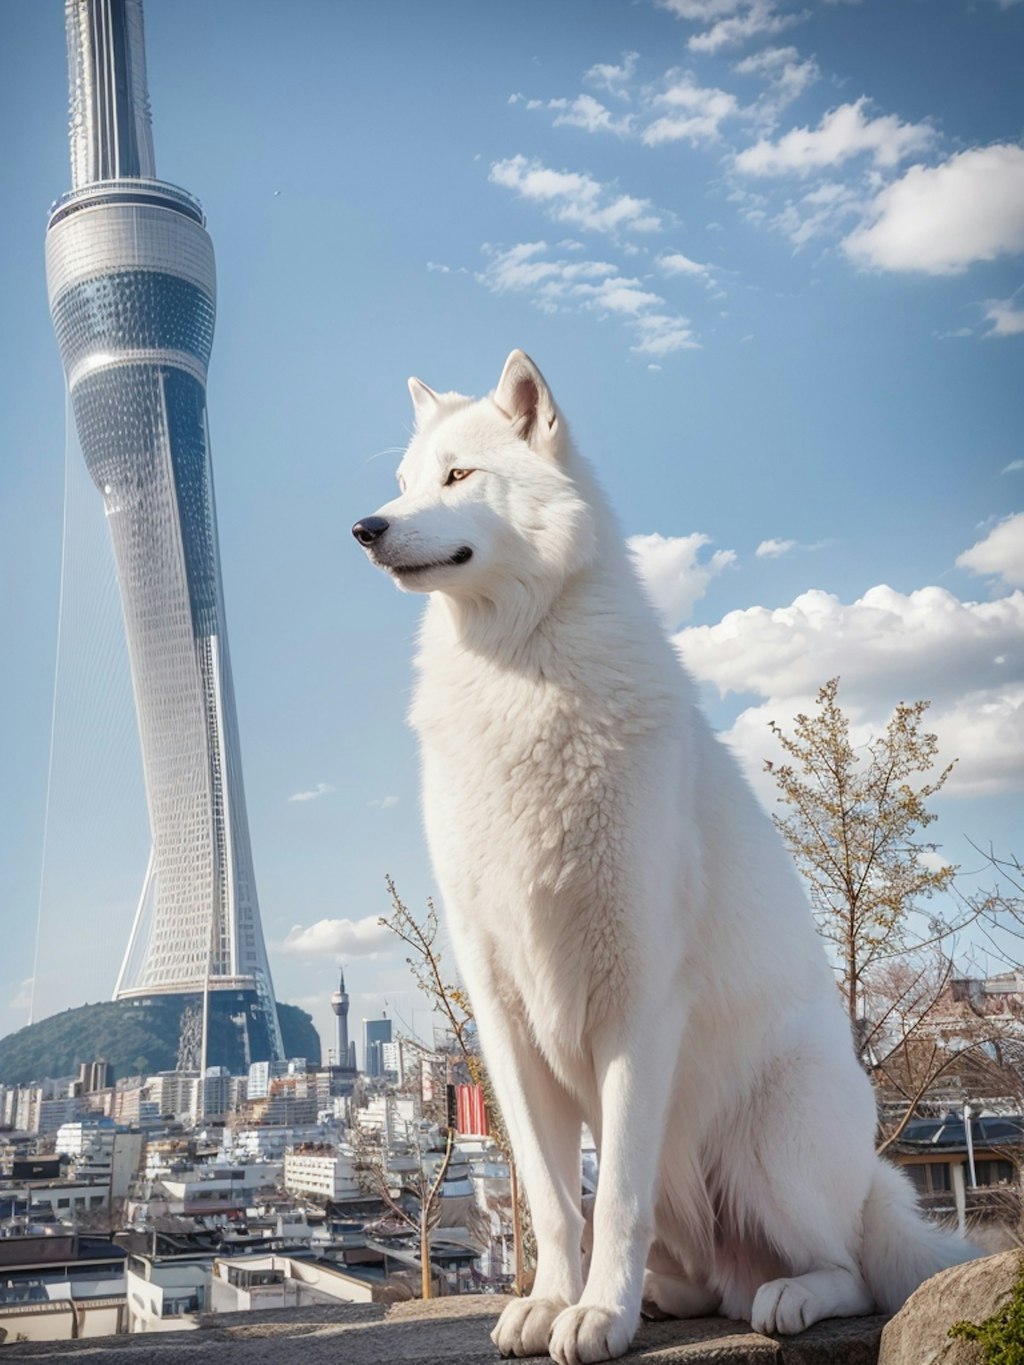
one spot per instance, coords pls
(131, 282)
(376, 1032)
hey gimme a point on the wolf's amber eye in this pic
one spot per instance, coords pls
(456, 476)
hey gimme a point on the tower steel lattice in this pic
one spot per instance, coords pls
(132, 290)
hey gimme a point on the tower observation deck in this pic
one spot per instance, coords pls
(132, 290)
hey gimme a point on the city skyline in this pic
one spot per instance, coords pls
(132, 288)
(820, 458)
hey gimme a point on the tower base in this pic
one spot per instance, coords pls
(238, 1031)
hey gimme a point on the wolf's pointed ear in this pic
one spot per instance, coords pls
(424, 399)
(523, 395)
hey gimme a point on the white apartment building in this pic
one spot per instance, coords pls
(100, 1153)
(173, 1092)
(322, 1172)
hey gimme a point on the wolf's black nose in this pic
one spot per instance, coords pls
(369, 529)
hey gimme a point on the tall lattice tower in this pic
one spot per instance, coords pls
(131, 282)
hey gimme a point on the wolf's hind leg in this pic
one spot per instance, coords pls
(790, 1305)
(674, 1296)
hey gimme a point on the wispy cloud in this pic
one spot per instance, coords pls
(675, 263)
(590, 114)
(786, 75)
(692, 113)
(1014, 467)
(555, 283)
(1006, 317)
(753, 19)
(23, 999)
(773, 549)
(575, 197)
(776, 548)
(314, 793)
(613, 78)
(384, 802)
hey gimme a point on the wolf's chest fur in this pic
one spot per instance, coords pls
(527, 792)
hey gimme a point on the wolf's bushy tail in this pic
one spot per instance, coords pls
(901, 1249)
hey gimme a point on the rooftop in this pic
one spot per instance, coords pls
(452, 1331)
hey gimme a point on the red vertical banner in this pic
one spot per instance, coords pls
(472, 1112)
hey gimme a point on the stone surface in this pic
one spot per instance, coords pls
(919, 1333)
(451, 1331)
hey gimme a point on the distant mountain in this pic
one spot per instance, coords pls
(136, 1038)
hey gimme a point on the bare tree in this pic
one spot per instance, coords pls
(851, 824)
(422, 1187)
(452, 1002)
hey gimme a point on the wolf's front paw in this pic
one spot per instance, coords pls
(785, 1307)
(524, 1327)
(584, 1334)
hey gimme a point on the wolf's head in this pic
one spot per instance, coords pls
(490, 508)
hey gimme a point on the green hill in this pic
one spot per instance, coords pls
(136, 1038)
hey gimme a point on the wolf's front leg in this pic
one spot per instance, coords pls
(544, 1124)
(635, 1065)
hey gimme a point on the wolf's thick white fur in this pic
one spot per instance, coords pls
(639, 953)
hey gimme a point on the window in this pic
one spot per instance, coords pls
(931, 1177)
(994, 1172)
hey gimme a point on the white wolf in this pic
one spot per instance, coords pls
(636, 945)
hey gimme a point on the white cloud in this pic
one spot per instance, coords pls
(1006, 317)
(384, 802)
(574, 197)
(842, 133)
(314, 794)
(757, 16)
(941, 219)
(985, 731)
(338, 938)
(885, 641)
(1014, 467)
(1000, 553)
(695, 114)
(773, 549)
(886, 646)
(673, 572)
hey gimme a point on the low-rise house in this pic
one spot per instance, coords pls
(166, 1292)
(968, 1170)
(276, 1281)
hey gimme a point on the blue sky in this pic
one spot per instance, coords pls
(769, 256)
